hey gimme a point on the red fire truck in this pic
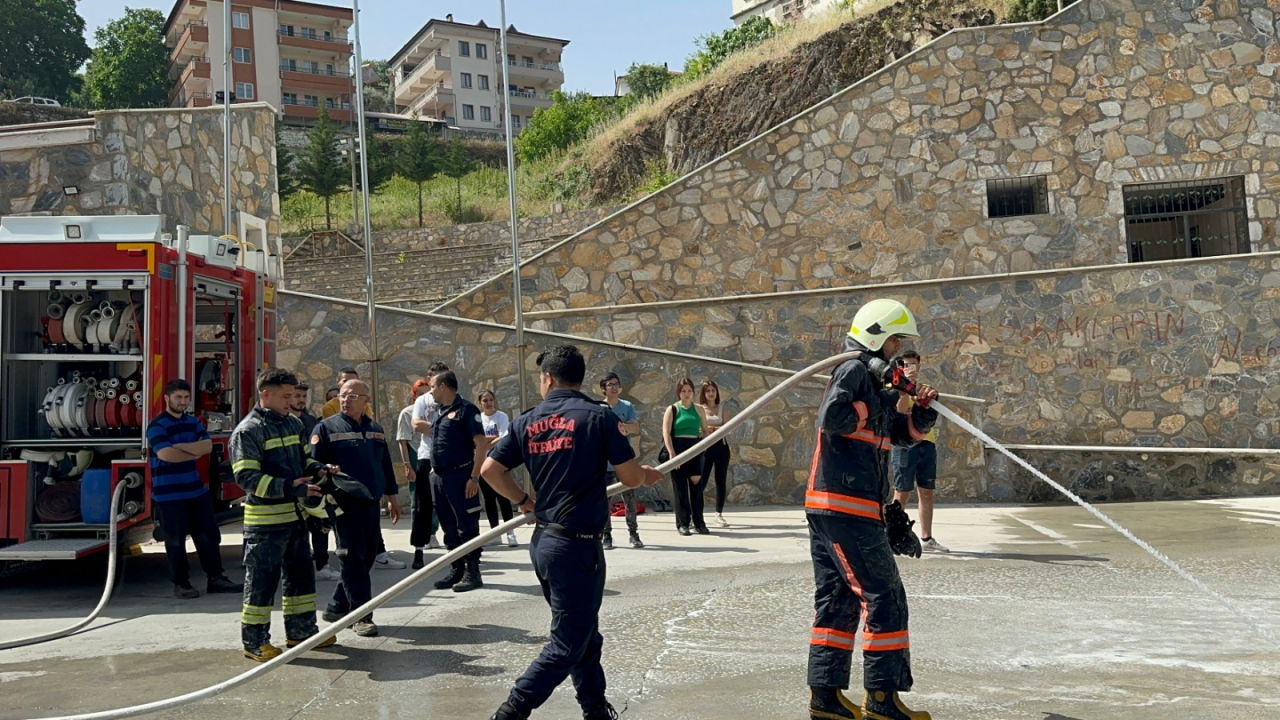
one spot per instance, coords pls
(96, 315)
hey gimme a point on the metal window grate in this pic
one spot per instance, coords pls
(1198, 218)
(1011, 197)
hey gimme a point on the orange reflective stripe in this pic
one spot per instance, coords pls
(898, 640)
(813, 466)
(831, 638)
(869, 437)
(911, 427)
(861, 408)
(845, 504)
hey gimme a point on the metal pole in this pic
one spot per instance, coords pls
(364, 195)
(515, 220)
(226, 117)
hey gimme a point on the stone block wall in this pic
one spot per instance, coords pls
(886, 181)
(166, 162)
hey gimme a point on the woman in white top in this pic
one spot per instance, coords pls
(496, 424)
(716, 458)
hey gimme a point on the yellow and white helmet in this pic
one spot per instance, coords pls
(879, 320)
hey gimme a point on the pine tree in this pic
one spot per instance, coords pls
(286, 174)
(418, 158)
(320, 168)
(457, 165)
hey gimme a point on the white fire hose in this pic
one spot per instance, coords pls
(476, 543)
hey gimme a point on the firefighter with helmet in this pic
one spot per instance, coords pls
(854, 530)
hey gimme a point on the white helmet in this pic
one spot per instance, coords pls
(879, 320)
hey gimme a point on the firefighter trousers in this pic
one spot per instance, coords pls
(357, 531)
(269, 552)
(459, 514)
(856, 574)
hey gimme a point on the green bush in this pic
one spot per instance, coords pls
(713, 49)
(1033, 10)
(569, 119)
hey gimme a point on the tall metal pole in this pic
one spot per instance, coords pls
(515, 220)
(364, 195)
(226, 117)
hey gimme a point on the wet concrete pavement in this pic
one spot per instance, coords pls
(1037, 613)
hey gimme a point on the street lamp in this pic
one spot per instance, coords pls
(364, 196)
(511, 191)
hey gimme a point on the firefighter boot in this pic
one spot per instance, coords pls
(887, 705)
(507, 712)
(331, 640)
(831, 704)
(471, 579)
(601, 711)
(455, 574)
(264, 653)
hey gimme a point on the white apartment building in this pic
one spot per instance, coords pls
(452, 71)
(779, 11)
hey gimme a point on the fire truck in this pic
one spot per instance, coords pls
(96, 315)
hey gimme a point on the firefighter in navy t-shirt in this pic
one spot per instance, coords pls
(567, 441)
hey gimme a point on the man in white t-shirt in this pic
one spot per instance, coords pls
(425, 412)
(611, 388)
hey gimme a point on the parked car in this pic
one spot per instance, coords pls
(30, 100)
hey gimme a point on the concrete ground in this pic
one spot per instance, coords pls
(1037, 613)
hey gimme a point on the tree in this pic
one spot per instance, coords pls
(286, 173)
(713, 49)
(648, 81)
(569, 119)
(377, 95)
(381, 164)
(41, 47)
(320, 168)
(457, 164)
(129, 65)
(1033, 10)
(418, 158)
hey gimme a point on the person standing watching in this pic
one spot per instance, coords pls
(421, 509)
(275, 469)
(917, 466)
(175, 441)
(425, 412)
(682, 425)
(316, 527)
(496, 423)
(715, 460)
(458, 447)
(567, 441)
(628, 425)
(353, 441)
(332, 405)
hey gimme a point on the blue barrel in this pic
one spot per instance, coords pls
(95, 497)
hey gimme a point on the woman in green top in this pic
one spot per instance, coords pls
(682, 426)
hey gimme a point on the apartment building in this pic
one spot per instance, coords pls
(453, 71)
(779, 11)
(292, 54)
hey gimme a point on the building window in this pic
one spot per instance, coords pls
(240, 20)
(289, 98)
(482, 51)
(484, 81)
(1198, 218)
(311, 100)
(328, 36)
(1011, 197)
(243, 55)
(244, 91)
(466, 80)
(289, 64)
(464, 48)
(528, 61)
(328, 102)
(511, 59)
(485, 114)
(286, 30)
(328, 69)
(468, 112)
(515, 121)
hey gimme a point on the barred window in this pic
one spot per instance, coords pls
(1198, 218)
(1011, 197)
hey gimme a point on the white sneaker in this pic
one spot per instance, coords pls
(932, 545)
(386, 562)
(328, 573)
(720, 519)
(434, 544)
(511, 540)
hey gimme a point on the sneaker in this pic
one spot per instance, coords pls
(417, 559)
(386, 562)
(887, 705)
(185, 591)
(331, 640)
(602, 711)
(434, 544)
(264, 653)
(831, 704)
(222, 584)
(365, 628)
(328, 573)
(721, 521)
(702, 530)
(635, 540)
(608, 541)
(511, 540)
(932, 545)
(506, 712)
(330, 616)
(684, 531)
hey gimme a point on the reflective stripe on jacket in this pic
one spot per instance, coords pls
(267, 455)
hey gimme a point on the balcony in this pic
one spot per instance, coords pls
(433, 101)
(311, 111)
(528, 98)
(311, 40)
(196, 68)
(334, 81)
(534, 71)
(190, 40)
(195, 100)
(416, 78)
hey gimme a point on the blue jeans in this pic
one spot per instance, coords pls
(917, 465)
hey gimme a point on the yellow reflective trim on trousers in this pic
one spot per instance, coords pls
(255, 615)
(264, 486)
(246, 465)
(298, 604)
(272, 444)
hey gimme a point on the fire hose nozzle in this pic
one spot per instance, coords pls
(79, 299)
(132, 479)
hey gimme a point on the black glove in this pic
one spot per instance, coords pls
(898, 526)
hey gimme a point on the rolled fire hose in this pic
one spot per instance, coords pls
(462, 550)
(113, 552)
(59, 502)
(73, 324)
(100, 410)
